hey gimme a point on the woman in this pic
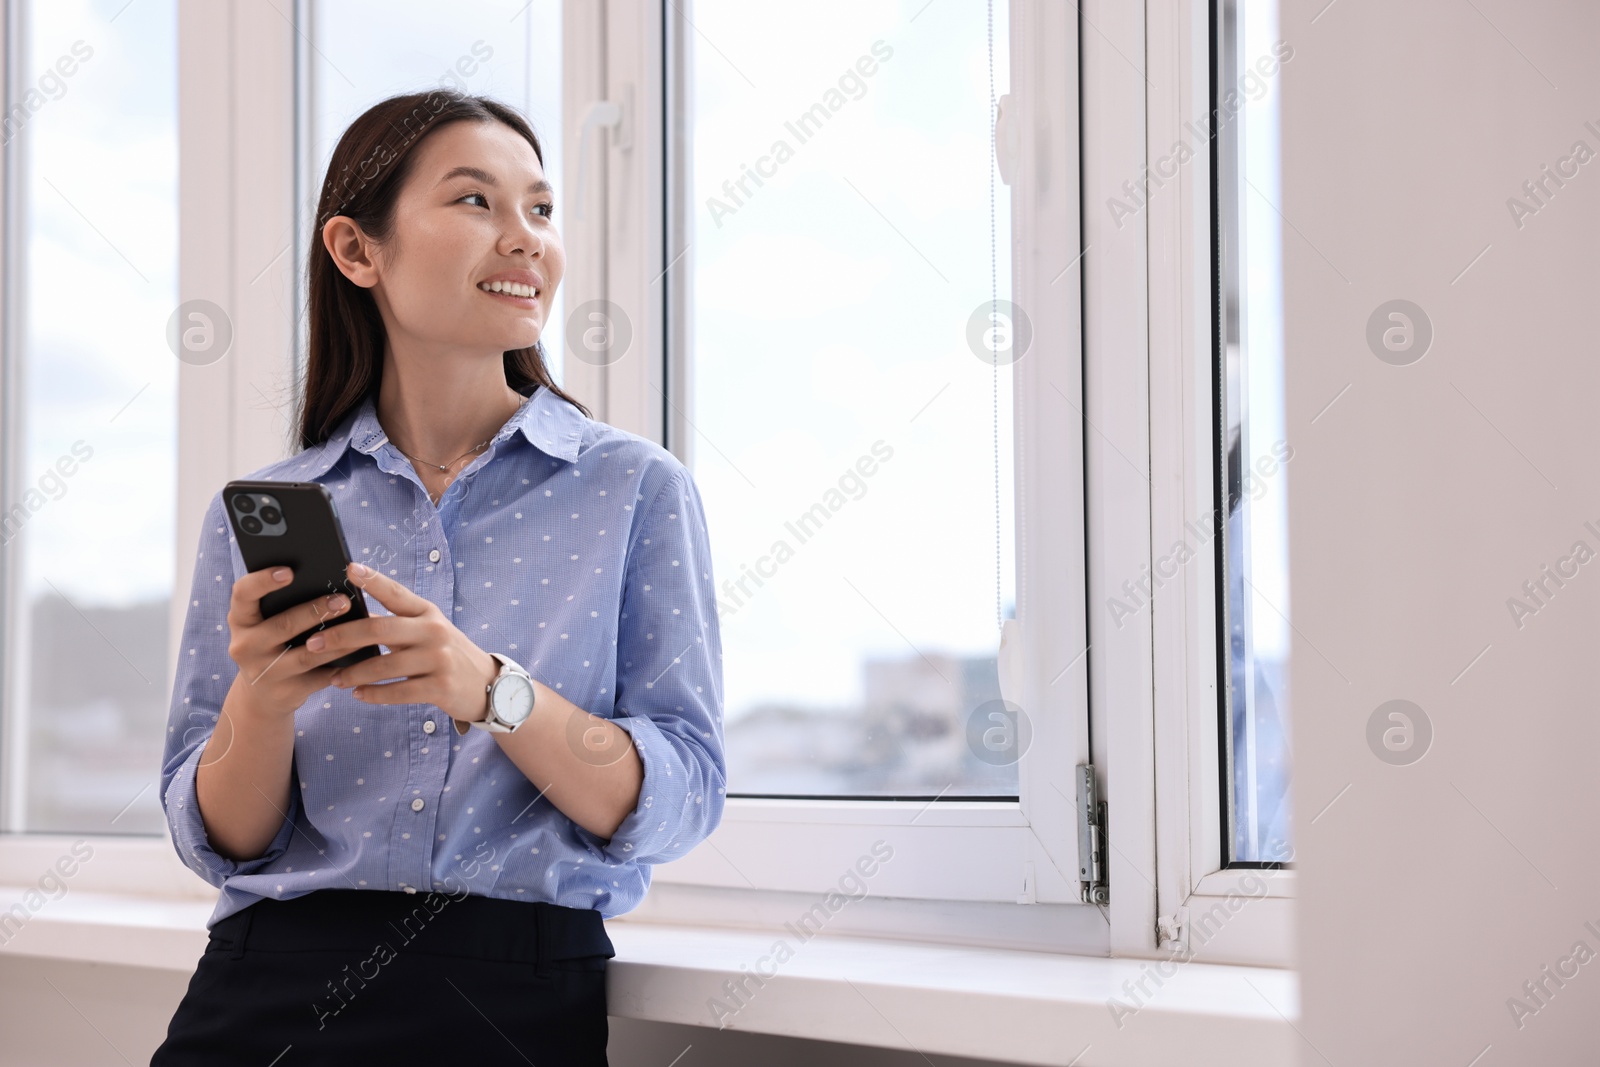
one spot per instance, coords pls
(395, 880)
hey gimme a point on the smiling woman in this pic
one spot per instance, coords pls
(323, 801)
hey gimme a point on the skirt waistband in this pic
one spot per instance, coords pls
(358, 920)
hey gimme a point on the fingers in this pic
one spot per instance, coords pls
(386, 591)
(302, 617)
(245, 608)
(260, 645)
(279, 678)
(415, 664)
(413, 691)
(259, 636)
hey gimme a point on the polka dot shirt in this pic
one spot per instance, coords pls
(576, 549)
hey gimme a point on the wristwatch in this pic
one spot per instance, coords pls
(509, 700)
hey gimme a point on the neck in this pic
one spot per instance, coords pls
(442, 422)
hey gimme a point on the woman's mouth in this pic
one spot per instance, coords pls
(513, 294)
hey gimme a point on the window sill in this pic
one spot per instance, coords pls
(1006, 1004)
(166, 933)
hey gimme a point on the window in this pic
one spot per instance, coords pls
(870, 370)
(1255, 453)
(848, 414)
(92, 356)
(911, 289)
(1178, 175)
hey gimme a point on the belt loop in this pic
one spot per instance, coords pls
(544, 930)
(244, 932)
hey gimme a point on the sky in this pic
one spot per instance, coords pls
(1263, 339)
(98, 212)
(830, 313)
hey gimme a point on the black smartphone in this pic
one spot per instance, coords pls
(293, 524)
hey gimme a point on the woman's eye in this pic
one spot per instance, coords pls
(548, 208)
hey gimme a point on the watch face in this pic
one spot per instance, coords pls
(513, 699)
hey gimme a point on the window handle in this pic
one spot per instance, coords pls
(1006, 148)
(607, 113)
(1009, 662)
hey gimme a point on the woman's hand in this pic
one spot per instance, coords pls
(440, 664)
(273, 679)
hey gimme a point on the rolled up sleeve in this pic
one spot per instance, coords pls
(204, 676)
(669, 681)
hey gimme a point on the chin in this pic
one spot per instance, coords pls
(522, 339)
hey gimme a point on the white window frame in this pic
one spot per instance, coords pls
(1122, 335)
(1149, 335)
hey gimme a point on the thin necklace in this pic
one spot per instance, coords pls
(447, 466)
(441, 466)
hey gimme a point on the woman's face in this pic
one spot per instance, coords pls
(475, 209)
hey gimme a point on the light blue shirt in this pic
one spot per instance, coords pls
(576, 549)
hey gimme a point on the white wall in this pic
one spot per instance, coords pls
(1420, 502)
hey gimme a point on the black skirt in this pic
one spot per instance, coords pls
(341, 976)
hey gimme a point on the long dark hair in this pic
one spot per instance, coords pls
(344, 358)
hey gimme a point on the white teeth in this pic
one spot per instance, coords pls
(514, 288)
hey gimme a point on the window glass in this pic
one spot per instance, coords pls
(90, 131)
(849, 396)
(1256, 457)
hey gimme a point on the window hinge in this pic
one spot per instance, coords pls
(1172, 931)
(1091, 839)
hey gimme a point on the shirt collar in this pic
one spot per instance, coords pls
(547, 421)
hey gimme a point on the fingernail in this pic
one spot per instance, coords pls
(361, 569)
(338, 602)
(315, 643)
(281, 574)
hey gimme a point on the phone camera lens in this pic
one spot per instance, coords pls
(270, 514)
(243, 504)
(250, 524)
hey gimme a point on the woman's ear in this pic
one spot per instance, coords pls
(351, 250)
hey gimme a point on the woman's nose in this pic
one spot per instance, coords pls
(523, 236)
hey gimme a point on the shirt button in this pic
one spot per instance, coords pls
(433, 557)
(416, 805)
(428, 727)
(411, 889)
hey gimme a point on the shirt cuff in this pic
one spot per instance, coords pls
(189, 833)
(659, 828)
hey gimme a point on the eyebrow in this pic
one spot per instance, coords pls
(479, 174)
